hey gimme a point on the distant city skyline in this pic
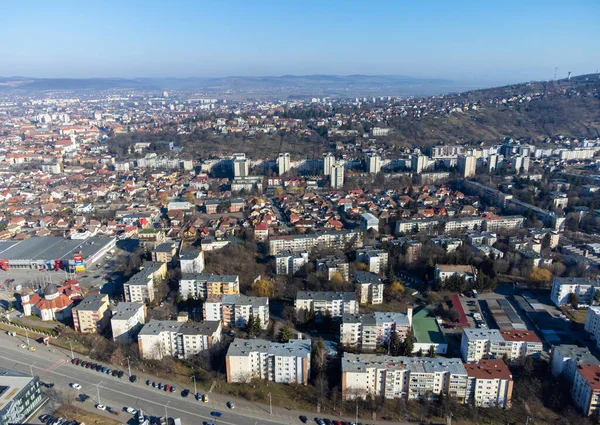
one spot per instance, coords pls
(495, 42)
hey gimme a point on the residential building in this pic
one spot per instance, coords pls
(140, 287)
(592, 324)
(284, 363)
(20, 396)
(151, 238)
(236, 310)
(418, 163)
(126, 321)
(490, 384)
(372, 330)
(373, 163)
(164, 252)
(477, 344)
(283, 163)
(481, 238)
(466, 165)
(444, 271)
(410, 248)
(334, 264)
(240, 165)
(287, 262)
(427, 226)
(495, 223)
(91, 315)
(375, 375)
(333, 239)
(520, 163)
(585, 290)
(328, 163)
(191, 261)
(566, 358)
(333, 304)
(586, 389)
(369, 288)
(337, 175)
(201, 286)
(375, 259)
(161, 338)
(463, 224)
(369, 221)
(447, 243)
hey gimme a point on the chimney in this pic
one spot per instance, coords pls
(409, 313)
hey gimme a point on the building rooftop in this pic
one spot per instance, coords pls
(591, 373)
(204, 277)
(295, 347)
(581, 355)
(92, 302)
(240, 299)
(326, 296)
(361, 362)
(53, 248)
(189, 254)
(519, 335)
(427, 331)
(366, 277)
(473, 334)
(488, 369)
(11, 384)
(125, 310)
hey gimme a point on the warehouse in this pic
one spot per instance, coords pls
(54, 253)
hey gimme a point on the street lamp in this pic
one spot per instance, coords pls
(98, 391)
(128, 367)
(27, 336)
(31, 368)
(166, 413)
(72, 355)
(194, 378)
(270, 404)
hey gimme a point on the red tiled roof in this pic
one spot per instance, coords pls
(488, 369)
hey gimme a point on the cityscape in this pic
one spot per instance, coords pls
(332, 248)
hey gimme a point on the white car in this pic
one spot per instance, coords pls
(131, 410)
(230, 405)
(75, 385)
(100, 407)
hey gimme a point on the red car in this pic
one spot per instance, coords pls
(167, 387)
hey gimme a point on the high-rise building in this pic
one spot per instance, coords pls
(283, 163)
(419, 163)
(520, 163)
(240, 165)
(337, 175)
(492, 163)
(466, 165)
(328, 162)
(373, 163)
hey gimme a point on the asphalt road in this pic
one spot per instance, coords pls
(54, 366)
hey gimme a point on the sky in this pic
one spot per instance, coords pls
(495, 41)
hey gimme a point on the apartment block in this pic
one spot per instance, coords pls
(566, 358)
(334, 264)
(592, 324)
(323, 303)
(236, 310)
(287, 262)
(372, 330)
(191, 261)
(375, 259)
(490, 384)
(334, 239)
(164, 252)
(495, 223)
(91, 315)
(463, 224)
(477, 344)
(374, 375)
(584, 289)
(126, 321)
(284, 363)
(201, 286)
(586, 389)
(369, 288)
(427, 226)
(161, 338)
(140, 287)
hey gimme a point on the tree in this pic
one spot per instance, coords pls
(318, 356)
(431, 351)
(263, 288)
(337, 280)
(539, 276)
(409, 343)
(189, 196)
(285, 334)
(395, 344)
(597, 297)
(573, 299)
(396, 288)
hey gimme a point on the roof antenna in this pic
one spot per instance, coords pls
(555, 70)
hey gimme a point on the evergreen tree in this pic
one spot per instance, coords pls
(409, 343)
(431, 351)
(285, 334)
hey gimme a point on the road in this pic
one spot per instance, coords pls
(53, 365)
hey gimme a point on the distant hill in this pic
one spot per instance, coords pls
(269, 86)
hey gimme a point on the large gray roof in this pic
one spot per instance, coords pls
(53, 248)
(295, 347)
(361, 362)
(326, 296)
(125, 310)
(581, 355)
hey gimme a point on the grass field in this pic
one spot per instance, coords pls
(73, 413)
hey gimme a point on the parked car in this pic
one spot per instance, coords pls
(131, 410)
(133, 378)
(230, 405)
(100, 407)
(75, 385)
(216, 414)
(185, 393)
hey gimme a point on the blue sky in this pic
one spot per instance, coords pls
(462, 40)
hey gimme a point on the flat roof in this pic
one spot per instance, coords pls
(427, 331)
(11, 384)
(125, 310)
(53, 248)
(488, 369)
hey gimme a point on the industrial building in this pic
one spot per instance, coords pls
(54, 253)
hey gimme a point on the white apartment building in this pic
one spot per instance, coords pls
(191, 261)
(467, 165)
(240, 165)
(127, 320)
(287, 262)
(372, 330)
(332, 265)
(592, 324)
(337, 175)
(463, 224)
(429, 226)
(477, 344)
(374, 375)
(328, 162)
(193, 285)
(375, 259)
(284, 363)
(566, 358)
(369, 288)
(335, 239)
(283, 163)
(495, 223)
(418, 163)
(586, 389)
(490, 384)
(322, 303)
(140, 287)
(585, 289)
(160, 338)
(373, 163)
(236, 310)
(520, 163)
